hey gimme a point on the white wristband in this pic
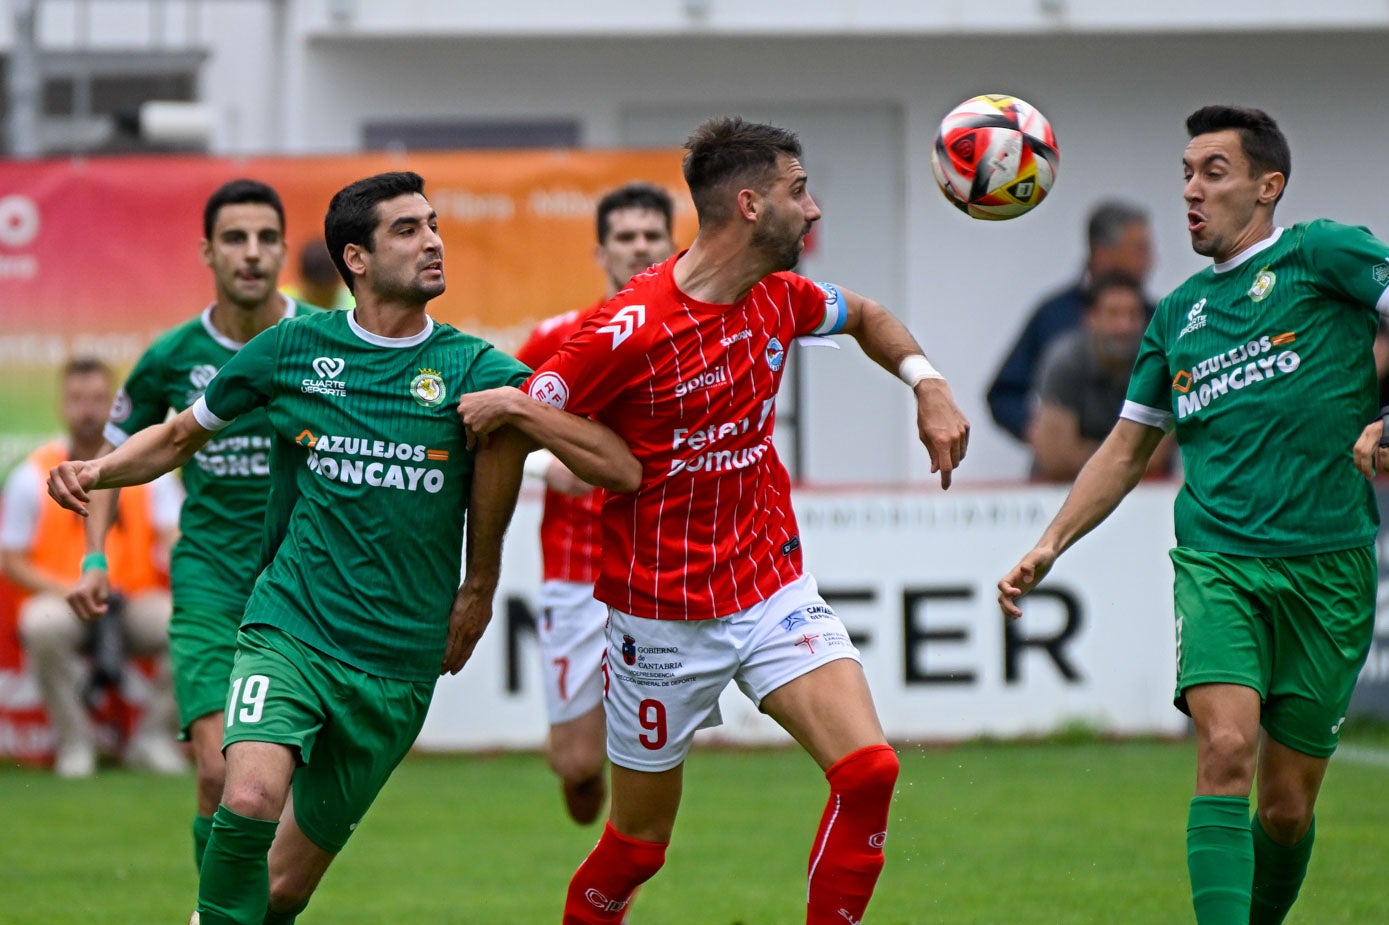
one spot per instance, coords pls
(915, 368)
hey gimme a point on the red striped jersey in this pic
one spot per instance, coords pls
(692, 387)
(569, 530)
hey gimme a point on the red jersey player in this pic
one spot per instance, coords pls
(702, 564)
(634, 231)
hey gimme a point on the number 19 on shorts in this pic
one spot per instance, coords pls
(247, 702)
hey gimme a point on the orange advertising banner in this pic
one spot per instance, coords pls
(99, 255)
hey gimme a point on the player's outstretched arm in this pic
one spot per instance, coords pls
(591, 450)
(497, 473)
(143, 458)
(940, 425)
(1111, 473)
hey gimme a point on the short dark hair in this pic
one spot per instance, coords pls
(1109, 219)
(239, 192)
(351, 217)
(1262, 140)
(636, 195)
(87, 366)
(316, 264)
(1107, 281)
(726, 150)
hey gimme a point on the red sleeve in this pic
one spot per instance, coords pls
(817, 307)
(595, 364)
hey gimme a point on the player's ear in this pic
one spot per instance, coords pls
(749, 204)
(1271, 187)
(354, 256)
(205, 251)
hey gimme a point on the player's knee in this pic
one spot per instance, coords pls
(211, 780)
(1286, 818)
(253, 799)
(1226, 757)
(868, 775)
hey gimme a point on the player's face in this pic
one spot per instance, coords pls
(1229, 207)
(788, 215)
(406, 262)
(245, 253)
(636, 239)
(86, 401)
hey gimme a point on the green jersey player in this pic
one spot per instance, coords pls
(373, 482)
(1262, 363)
(227, 482)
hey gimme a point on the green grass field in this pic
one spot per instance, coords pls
(1057, 832)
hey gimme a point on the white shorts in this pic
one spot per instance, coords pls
(571, 649)
(663, 678)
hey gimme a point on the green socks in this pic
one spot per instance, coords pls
(282, 918)
(1278, 873)
(234, 885)
(202, 831)
(1220, 857)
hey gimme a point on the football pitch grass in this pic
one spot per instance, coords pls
(1052, 832)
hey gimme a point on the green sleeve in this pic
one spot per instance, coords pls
(1151, 382)
(141, 402)
(1352, 264)
(246, 381)
(492, 369)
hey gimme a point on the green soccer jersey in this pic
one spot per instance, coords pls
(215, 560)
(370, 483)
(1264, 364)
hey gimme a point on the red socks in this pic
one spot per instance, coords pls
(603, 884)
(848, 851)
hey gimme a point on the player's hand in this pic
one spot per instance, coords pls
(88, 597)
(485, 411)
(1370, 458)
(1022, 578)
(559, 478)
(941, 426)
(68, 483)
(472, 611)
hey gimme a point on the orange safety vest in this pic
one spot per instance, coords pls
(60, 539)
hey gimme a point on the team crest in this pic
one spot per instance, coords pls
(776, 354)
(428, 388)
(1380, 273)
(1263, 285)
(629, 649)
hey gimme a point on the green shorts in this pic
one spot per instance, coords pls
(202, 644)
(349, 728)
(1297, 630)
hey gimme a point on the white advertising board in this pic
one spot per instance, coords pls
(912, 574)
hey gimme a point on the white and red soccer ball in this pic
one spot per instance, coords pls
(995, 157)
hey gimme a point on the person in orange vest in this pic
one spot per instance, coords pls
(41, 550)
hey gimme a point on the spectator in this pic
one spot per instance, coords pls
(41, 552)
(1120, 241)
(1083, 378)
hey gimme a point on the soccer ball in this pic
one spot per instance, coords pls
(995, 157)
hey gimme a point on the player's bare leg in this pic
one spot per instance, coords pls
(632, 847)
(830, 712)
(576, 752)
(1220, 851)
(297, 866)
(205, 736)
(1283, 828)
(233, 884)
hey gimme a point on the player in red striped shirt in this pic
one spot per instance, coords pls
(634, 231)
(702, 565)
